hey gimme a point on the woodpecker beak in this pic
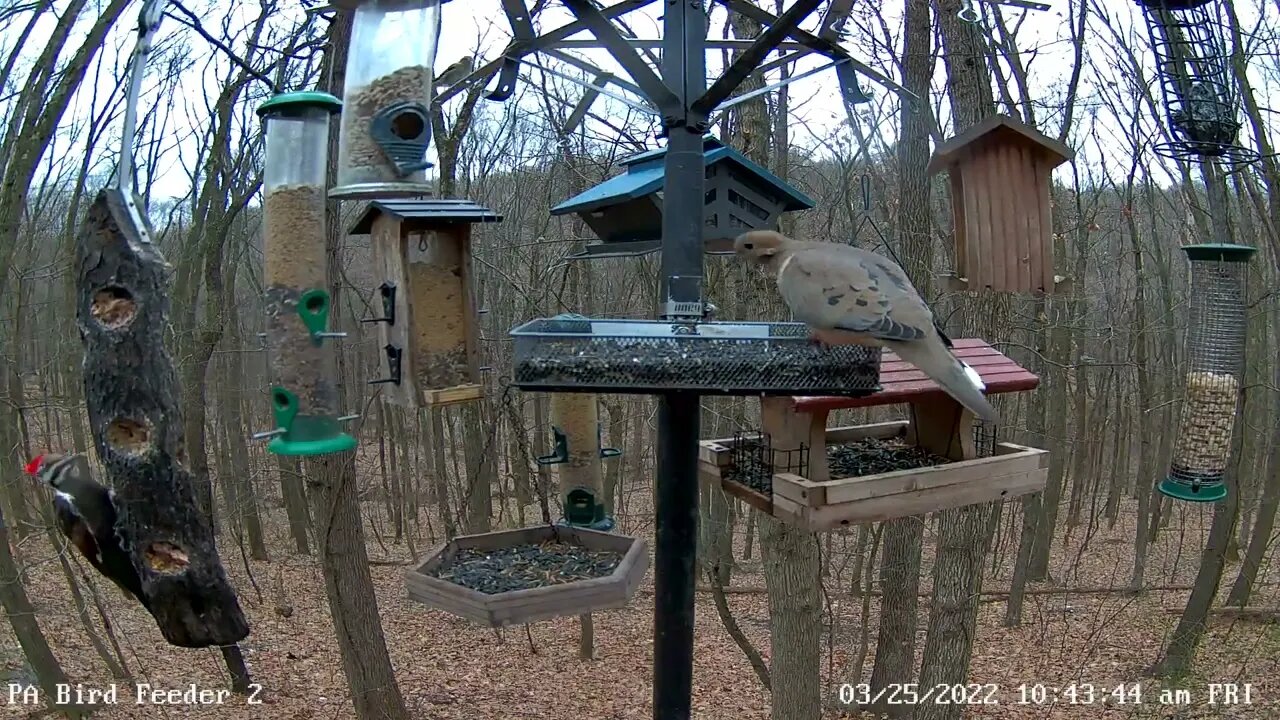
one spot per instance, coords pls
(33, 467)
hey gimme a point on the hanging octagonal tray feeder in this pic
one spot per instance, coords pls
(575, 354)
(387, 93)
(520, 576)
(304, 393)
(1216, 346)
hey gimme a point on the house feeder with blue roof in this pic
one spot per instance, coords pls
(625, 211)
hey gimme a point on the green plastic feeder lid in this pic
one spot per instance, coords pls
(293, 102)
(1209, 492)
(1220, 252)
(336, 444)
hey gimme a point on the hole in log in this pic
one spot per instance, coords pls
(166, 558)
(113, 307)
(128, 436)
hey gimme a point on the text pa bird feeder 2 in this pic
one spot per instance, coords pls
(1000, 179)
(386, 122)
(1193, 62)
(714, 358)
(1216, 346)
(522, 576)
(304, 394)
(429, 327)
(575, 425)
(625, 211)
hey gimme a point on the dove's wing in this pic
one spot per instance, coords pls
(844, 288)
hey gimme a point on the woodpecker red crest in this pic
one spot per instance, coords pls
(86, 514)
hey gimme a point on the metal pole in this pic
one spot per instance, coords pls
(680, 299)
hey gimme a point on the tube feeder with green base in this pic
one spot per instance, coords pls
(1215, 347)
(304, 395)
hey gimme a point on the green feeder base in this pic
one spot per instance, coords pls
(1209, 492)
(338, 443)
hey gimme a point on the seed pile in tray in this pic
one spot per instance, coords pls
(524, 567)
(869, 456)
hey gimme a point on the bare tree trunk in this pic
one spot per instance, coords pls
(795, 605)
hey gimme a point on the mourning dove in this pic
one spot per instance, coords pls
(455, 72)
(850, 295)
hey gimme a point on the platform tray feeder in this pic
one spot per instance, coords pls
(867, 473)
(512, 577)
(712, 358)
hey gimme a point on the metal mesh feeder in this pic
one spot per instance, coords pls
(1216, 345)
(712, 358)
(1194, 68)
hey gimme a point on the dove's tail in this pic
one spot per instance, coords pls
(959, 381)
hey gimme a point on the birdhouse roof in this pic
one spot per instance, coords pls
(442, 211)
(997, 130)
(646, 175)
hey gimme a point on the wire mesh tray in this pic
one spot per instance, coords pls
(713, 358)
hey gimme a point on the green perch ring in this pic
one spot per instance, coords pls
(305, 434)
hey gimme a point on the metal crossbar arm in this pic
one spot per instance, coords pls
(598, 72)
(643, 75)
(584, 104)
(517, 50)
(750, 58)
(770, 88)
(834, 19)
(599, 89)
(822, 45)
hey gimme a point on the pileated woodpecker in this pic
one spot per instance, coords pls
(86, 513)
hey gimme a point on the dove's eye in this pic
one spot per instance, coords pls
(748, 246)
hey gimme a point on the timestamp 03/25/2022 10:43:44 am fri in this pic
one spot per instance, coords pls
(1130, 693)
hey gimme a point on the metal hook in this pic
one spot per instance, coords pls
(866, 193)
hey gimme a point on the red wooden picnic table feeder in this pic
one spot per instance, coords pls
(808, 496)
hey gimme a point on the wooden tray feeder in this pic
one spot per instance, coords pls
(803, 491)
(429, 328)
(1000, 178)
(625, 211)
(543, 601)
(304, 392)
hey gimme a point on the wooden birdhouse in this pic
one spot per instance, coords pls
(625, 211)
(1000, 177)
(428, 331)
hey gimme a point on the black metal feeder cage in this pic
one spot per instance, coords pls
(1216, 346)
(1193, 64)
(576, 354)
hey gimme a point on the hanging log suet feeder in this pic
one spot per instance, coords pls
(387, 93)
(1193, 64)
(428, 330)
(304, 392)
(132, 398)
(1215, 348)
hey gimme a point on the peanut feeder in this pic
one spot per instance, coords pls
(577, 455)
(1216, 345)
(386, 123)
(304, 393)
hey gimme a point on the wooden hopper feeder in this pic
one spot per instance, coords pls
(429, 329)
(1000, 177)
(538, 603)
(814, 500)
(625, 211)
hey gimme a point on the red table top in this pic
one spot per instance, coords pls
(901, 382)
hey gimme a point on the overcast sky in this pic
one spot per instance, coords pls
(818, 116)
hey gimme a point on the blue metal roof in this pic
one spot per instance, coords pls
(645, 176)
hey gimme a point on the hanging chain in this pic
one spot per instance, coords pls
(148, 22)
